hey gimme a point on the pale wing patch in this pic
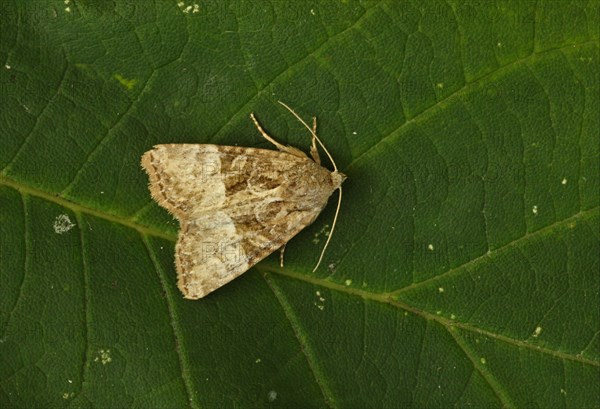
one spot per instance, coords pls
(208, 254)
(215, 249)
(185, 177)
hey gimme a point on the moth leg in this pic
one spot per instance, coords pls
(283, 148)
(281, 251)
(313, 148)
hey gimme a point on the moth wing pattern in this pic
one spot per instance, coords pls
(204, 265)
(193, 178)
(235, 206)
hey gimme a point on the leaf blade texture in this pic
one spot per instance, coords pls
(464, 267)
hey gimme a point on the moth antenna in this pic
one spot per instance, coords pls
(337, 210)
(312, 133)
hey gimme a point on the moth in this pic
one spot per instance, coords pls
(237, 205)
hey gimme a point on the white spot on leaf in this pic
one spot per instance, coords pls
(62, 224)
(320, 302)
(190, 8)
(272, 395)
(103, 356)
(323, 231)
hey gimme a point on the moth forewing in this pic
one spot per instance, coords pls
(235, 205)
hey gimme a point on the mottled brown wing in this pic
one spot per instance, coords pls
(188, 179)
(232, 205)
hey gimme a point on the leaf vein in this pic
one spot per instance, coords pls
(245, 106)
(175, 326)
(27, 250)
(456, 270)
(386, 299)
(454, 94)
(86, 308)
(498, 390)
(37, 121)
(105, 139)
(304, 346)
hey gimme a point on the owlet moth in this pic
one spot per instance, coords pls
(237, 205)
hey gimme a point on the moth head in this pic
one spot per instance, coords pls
(337, 178)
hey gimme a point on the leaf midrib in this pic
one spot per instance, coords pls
(385, 298)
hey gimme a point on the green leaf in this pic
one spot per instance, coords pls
(464, 269)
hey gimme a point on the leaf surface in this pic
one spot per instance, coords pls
(464, 269)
